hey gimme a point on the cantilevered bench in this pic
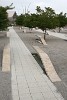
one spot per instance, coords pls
(6, 59)
(41, 39)
(49, 68)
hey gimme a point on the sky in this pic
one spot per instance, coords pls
(22, 6)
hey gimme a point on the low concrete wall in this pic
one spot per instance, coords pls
(6, 59)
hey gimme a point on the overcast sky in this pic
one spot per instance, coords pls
(20, 5)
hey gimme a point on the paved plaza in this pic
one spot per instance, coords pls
(24, 79)
(27, 79)
(56, 34)
(56, 49)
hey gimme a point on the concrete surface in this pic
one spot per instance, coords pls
(56, 49)
(28, 80)
(48, 66)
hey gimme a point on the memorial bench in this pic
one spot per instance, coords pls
(40, 38)
(48, 66)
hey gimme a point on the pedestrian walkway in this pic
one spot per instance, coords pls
(59, 35)
(28, 80)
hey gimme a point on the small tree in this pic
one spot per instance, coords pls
(62, 20)
(20, 20)
(34, 20)
(31, 20)
(39, 10)
(27, 21)
(4, 17)
(9, 7)
(47, 19)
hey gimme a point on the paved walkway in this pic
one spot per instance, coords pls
(59, 35)
(28, 80)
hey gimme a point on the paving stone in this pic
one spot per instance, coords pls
(30, 83)
(37, 96)
(26, 97)
(15, 97)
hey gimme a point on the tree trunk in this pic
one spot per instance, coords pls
(45, 34)
(59, 29)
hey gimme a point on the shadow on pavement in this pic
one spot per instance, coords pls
(62, 88)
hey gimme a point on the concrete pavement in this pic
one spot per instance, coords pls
(59, 35)
(27, 79)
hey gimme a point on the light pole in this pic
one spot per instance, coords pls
(28, 7)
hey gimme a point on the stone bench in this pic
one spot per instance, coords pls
(48, 66)
(41, 39)
(6, 59)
